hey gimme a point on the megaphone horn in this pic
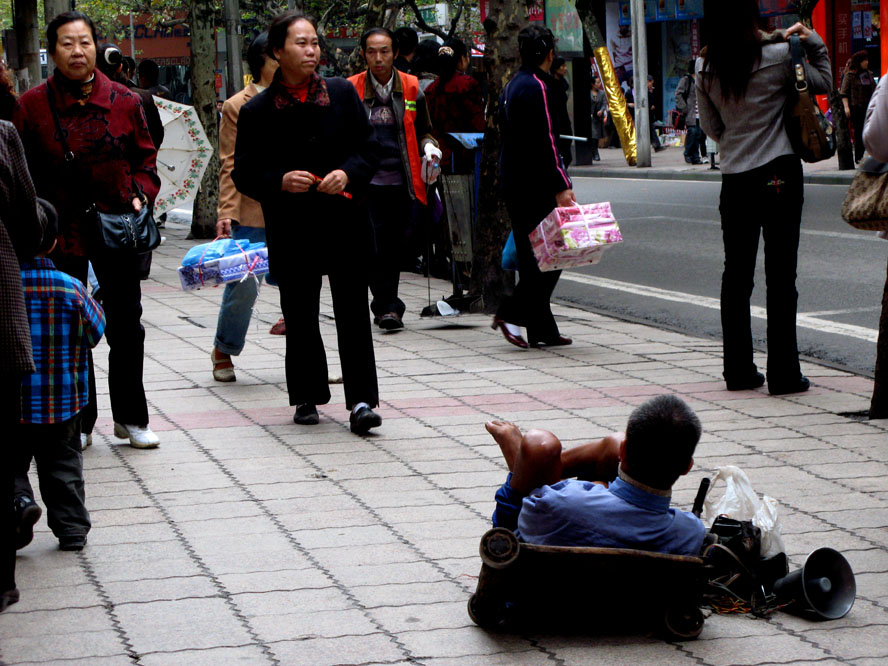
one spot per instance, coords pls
(824, 585)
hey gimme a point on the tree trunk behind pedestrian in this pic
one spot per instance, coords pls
(51, 9)
(505, 19)
(879, 404)
(201, 19)
(27, 32)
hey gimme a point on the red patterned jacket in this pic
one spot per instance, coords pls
(456, 106)
(114, 153)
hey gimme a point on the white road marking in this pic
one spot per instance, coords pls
(803, 320)
(859, 235)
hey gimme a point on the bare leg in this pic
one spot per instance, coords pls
(508, 436)
(595, 461)
(538, 462)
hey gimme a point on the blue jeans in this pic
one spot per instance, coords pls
(693, 140)
(238, 301)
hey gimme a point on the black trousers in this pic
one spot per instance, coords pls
(306, 359)
(55, 447)
(528, 305)
(391, 209)
(858, 115)
(766, 201)
(119, 277)
(10, 406)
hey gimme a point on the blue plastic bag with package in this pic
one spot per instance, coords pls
(221, 247)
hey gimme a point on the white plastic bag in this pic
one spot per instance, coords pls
(741, 502)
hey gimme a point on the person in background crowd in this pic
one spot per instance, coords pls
(560, 87)
(110, 61)
(239, 216)
(149, 78)
(24, 220)
(742, 86)
(455, 105)
(398, 113)
(129, 71)
(599, 116)
(7, 92)
(424, 65)
(113, 169)
(858, 84)
(65, 324)
(534, 181)
(686, 104)
(406, 41)
(312, 189)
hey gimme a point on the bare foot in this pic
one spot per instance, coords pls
(508, 436)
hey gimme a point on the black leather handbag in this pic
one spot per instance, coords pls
(130, 232)
(812, 136)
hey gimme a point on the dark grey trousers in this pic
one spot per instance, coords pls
(55, 447)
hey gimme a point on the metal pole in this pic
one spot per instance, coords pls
(291, 4)
(132, 38)
(640, 72)
(233, 47)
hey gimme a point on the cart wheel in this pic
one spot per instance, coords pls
(488, 615)
(682, 623)
(499, 548)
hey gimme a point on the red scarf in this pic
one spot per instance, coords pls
(312, 91)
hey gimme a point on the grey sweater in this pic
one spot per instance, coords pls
(750, 130)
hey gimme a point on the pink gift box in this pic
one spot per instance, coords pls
(575, 236)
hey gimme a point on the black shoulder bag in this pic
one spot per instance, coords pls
(130, 233)
(812, 136)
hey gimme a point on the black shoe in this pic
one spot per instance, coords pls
(8, 598)
(554, 342)
(72, 543)
(27, 513)
(746, 384)
(391, 321)
(800, 385)
(361, 420)
(306, 414)
(690, 160)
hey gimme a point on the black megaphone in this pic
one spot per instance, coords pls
(824, 585)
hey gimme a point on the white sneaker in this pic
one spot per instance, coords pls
(85, 440)
(139, 437)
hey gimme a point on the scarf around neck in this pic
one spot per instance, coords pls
(287, 96)
(79, 90)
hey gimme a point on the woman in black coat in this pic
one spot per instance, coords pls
(306, 151)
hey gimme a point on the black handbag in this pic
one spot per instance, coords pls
(812, 136)
(131, 232)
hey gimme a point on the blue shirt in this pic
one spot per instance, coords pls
(65, 324)
(624, 515)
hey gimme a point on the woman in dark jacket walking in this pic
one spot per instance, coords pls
(741, 92)
(113, 168)
(858, 84)
(311, 189)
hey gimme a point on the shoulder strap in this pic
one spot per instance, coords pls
(60, 133)
(798, 62)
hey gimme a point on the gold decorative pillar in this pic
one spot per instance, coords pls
(616, 104)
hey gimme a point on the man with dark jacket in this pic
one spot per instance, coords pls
(398, 113)
(534, 181)
(686, 104)
(23, 220)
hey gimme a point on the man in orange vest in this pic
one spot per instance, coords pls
(398, 113)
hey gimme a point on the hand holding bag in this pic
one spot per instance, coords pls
(132, 232)
(812, 136)
(866, 204)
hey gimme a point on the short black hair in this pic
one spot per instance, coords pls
(151, 71)
(534, 44)
(378, 31)
(661, 437)
(256, 54)
(280, 26)
(52, 29)
(406, 40)
(129, 64)
(557, 62)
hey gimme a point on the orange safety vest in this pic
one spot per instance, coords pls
(410, 88)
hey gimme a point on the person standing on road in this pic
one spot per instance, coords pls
(686, 104)
(534, 181)
(311, 188)
(24, 220)
(742, 86)
(397, 110)
(239, 216)
(114, 170)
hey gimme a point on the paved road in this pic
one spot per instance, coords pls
(668, 271)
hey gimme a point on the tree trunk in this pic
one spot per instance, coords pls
(51, 9)
(27, 32)
(201, 19)
(501, 61)
(879, 404)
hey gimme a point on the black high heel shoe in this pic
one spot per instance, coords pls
(516, 340)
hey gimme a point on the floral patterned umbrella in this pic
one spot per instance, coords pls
(183, 155)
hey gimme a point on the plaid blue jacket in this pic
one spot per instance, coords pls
(65, 324)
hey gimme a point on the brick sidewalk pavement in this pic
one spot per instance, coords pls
(247, 539)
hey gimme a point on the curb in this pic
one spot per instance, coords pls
(653, 173)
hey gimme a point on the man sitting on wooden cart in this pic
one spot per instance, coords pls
(621, 498)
